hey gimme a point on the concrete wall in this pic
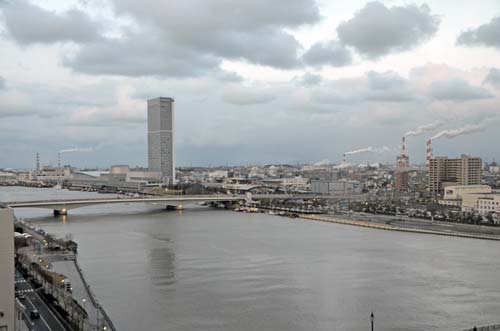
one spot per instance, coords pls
(6, 269)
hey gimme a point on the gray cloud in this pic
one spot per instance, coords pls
(140, 55)
(493, 78)
(228, 76)
(384, 80)
(457, 90)
(484, 35)
(308, 79)
(246, 96)
(46, 101)
(328, 53)
(29, 24)
(376, 30)
(379, 87)
(252, 30)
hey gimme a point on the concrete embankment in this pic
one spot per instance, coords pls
(388, 227)
(107, 321)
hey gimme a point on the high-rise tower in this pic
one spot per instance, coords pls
(161, 152)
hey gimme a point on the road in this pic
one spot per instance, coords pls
(424, 224)
(48, 320)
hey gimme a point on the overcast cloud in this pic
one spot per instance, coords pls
(493, 78)
(328, 53)
(377, 30)
(484, 35)
(457, 90)
(30, 24)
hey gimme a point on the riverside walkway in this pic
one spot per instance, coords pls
(389, 227)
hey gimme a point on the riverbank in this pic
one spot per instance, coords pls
(58, 270)
(390, 227)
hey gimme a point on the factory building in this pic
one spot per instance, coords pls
(445, 172)
(454, 195)
(7, 302)
(161, 152)
(336, 187)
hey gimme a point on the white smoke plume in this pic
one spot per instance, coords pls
(471, 128)
(423, 128)
(322, 162)
(76, 149)
(369, 150)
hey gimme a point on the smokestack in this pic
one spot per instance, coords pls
(403, 147)
(429, 153)
(37, 162)
(59, 160)
(344, 159)
(403, 160)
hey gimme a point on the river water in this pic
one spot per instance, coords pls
(205, 269)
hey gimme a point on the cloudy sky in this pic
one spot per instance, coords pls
(254, 81)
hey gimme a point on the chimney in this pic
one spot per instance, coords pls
(429, 152)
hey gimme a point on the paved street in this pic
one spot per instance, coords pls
(47, 321)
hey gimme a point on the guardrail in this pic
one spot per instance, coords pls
(484, 328)
(92, 296)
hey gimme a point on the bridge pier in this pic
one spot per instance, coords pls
(174, 207)
(60, 212)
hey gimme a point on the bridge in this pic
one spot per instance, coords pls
(61, 206)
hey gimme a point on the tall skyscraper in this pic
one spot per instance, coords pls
(161, 153)
(445, 172)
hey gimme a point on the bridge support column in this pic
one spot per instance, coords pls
(174, 207)
(60, 212)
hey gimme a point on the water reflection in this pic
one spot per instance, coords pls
(162, 261)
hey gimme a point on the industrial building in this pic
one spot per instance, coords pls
(161, 152)
(119, 178)
(454, 195)
(445, 172)
(482, 203)
(7, 301)
(337, 187)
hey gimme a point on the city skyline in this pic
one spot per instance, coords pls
(305, 86)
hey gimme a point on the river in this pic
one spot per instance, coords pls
(206, 269)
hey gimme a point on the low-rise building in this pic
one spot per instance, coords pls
(453, 195)
(337, 187)
(52, 175)
(482, 203)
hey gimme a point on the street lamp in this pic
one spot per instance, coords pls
(372, 318)
(84, 300)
